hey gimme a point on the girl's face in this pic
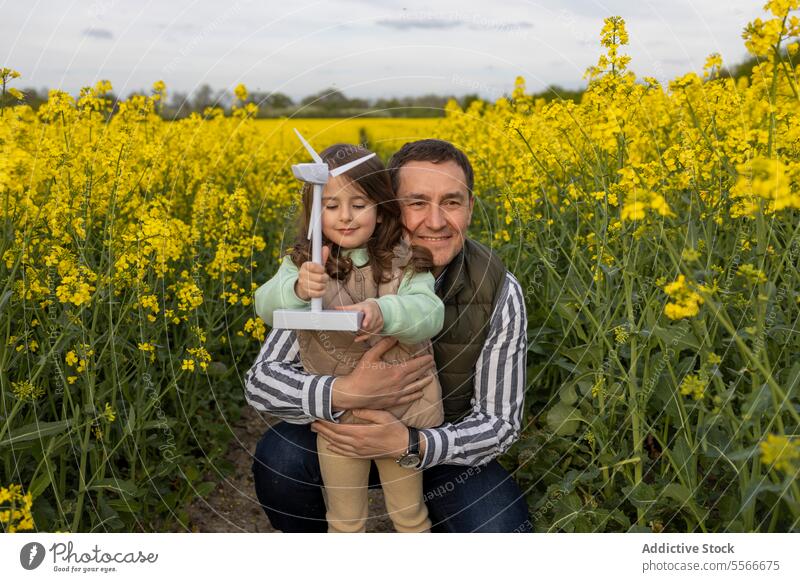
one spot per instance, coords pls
(348, 216)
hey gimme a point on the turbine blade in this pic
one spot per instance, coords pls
(311, 224)
(309, 149)
(350, 165)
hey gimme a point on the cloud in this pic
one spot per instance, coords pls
(424, 23)
(447, 21)
(102, 33)
(181, 27)
(498, 25)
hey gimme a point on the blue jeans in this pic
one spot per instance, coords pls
(459, 498)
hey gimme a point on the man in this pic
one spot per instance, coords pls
(479, 356)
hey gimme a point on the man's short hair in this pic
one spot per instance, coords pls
(430, 150)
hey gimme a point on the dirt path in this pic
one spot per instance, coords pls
(233, 507)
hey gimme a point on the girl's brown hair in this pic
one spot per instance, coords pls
(372, 178)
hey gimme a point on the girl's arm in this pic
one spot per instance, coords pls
(278, 292)
(416, 313)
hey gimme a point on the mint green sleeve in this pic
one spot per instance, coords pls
(416, 313)
(278, 292)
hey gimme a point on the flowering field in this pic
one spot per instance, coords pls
(654, 229)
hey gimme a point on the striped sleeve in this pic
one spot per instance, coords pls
(500, 377)
(277, 383)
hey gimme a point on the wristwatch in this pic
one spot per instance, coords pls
(411, 459)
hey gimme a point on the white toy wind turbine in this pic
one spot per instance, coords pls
(320, 319)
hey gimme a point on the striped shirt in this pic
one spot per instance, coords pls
(278, 385)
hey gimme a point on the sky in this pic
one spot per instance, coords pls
(367, 49)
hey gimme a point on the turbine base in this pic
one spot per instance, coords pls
(327, 319)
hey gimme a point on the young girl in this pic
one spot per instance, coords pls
(370, 267)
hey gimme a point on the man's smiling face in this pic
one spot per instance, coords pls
(437, 207)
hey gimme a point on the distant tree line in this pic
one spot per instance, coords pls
(326, 103)
(330, 102)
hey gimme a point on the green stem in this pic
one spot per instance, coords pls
(76, 518)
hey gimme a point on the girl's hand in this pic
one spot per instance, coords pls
(372, 321)
(312, 279)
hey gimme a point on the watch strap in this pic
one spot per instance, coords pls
(413, 441)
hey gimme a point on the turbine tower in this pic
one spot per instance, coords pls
(317, 174)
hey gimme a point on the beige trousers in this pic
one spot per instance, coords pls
(346, 480)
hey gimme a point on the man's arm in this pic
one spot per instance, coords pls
(500, 374)
(277, 383)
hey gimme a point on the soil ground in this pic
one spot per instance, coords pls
(233, 507)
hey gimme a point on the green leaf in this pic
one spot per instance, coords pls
(4, 299)
(744, 454)
(40, 484)
(192, 474)
(585, 387)
(125, 488)
(641, 495)
(563, 419)
(678, 336)
(131, 422)
(565, 310)
(35, 431)
(680, 494)
(793, 380)
(567, 509)
(158, 424)
(584, 354)
(757, 402)
(205, 488)
(754, 489)
(567, 394)
(683, 458)
(111, 519)
(125, 505)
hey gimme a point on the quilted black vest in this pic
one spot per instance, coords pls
(470, 289)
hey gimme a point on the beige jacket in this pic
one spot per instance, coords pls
(336, 353)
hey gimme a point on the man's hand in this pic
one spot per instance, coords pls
(385, 437)
(377, 385)
(312, 278)
(372, 322)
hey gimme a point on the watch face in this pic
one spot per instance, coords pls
(409, 461)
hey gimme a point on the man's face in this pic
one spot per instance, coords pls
(437, 208)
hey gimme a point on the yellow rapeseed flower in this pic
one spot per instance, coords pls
(256, 328)
(780, 452)
(694, 385)
(109, 413)
(752, 274)
(71, 358)
(25, 390)
(241, 92)
(685, 302)
(621, 334)
(15, 509)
